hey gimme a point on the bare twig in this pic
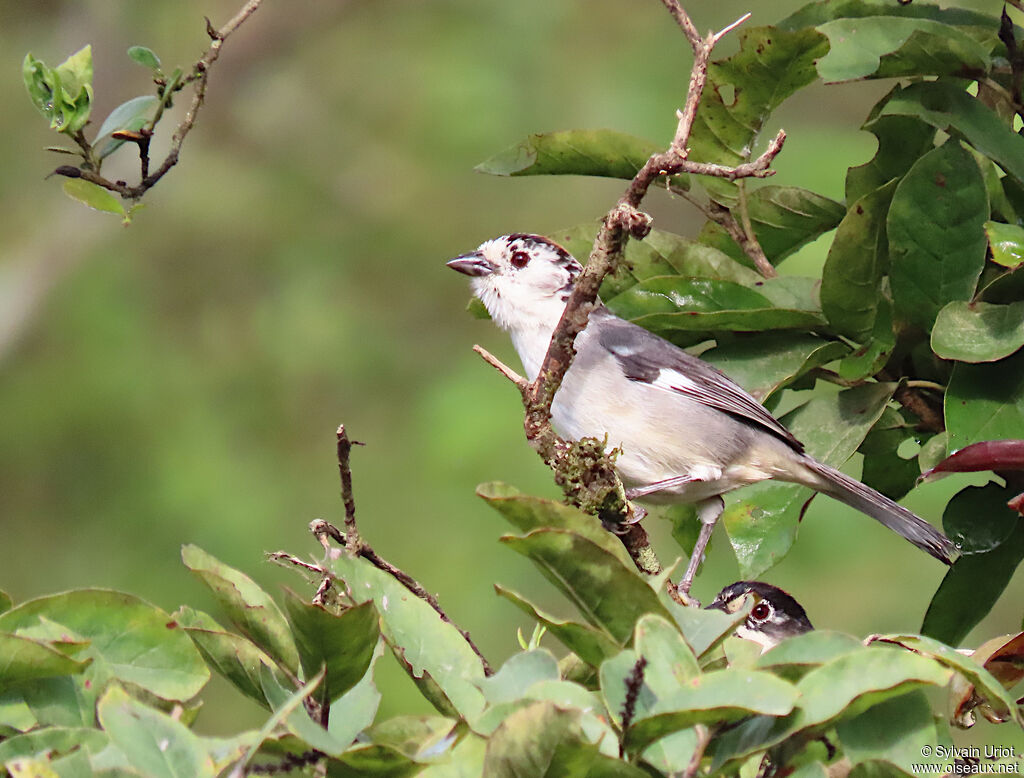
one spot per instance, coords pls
(345, 473)
(520, 382)
(199, 76)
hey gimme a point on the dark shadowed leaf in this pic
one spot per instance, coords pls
(977, 331)
(247, 606)
(898, 730)
(857, 261)
(936, 233)
(901, 140)
(610, 594)
(344, 643)
(591, 645)
(605, 153)
(884, 469)
(985, 402)
(973, 584)
(762, 520)
(6, 603)
(816, 13)
(1006, 242)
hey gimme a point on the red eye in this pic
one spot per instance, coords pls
(520, 259)
(761, 612)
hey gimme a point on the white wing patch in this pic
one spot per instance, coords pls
(674, 381)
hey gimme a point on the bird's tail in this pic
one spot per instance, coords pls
(878, 506)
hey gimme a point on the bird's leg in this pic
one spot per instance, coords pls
(708, 512)
(660, 486)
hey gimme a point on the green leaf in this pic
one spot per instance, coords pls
(867, 360)
(527, 513)
(591, 645)
(1006, 242)
(343, 643)
(720, 696)
(670, 660)
(93, 196)
(898, 730)
(26, 659)
(518, 674)
(815, 13)
(762, 520)
(884, 469)
(984, 683)
(610, 594)
(669, 304)
(247, 606)
(977, 331)
(765, 363)
(606, 153)
(144, 56)
(853, 682)
(286, 702)
(42, 85)
(75, 93)
(432, 651)
(235, 657)
(857, 261)
(53, 742)
(706, 629)
(886, 46)
(356, 709)
(771, 65)
(936, 236)
(128, 116)
(129, 639)
(784, 219)
(985, 402)
(901, 140)
(976, 580)
(794, 657)
(659, 254)
(6, 603)
(542, 739)
(154, 743)
(947, 107)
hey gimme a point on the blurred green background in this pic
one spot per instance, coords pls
(180, 380)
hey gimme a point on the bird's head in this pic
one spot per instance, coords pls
(774, 617)
(524, 281)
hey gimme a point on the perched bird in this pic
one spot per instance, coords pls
(688, 434)
(774, 617)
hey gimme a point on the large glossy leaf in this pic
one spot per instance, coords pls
(610, 594)
(985, 683)
(886, 46)
(977, 331)
(659, 254)
(129, 639)
(666, 303)
(936, 233)
(765, 363)
(154, 743)
(247, 606)
(976, 580)
(857, 261)
(607, 153)
(591, 645)
(784, 218)
(431, 650)
(901, 140)
(947, 107)
(762, 520)
(985, 402)
(771, 65)
(344, 643)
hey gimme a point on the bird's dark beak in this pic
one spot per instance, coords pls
(472, 265)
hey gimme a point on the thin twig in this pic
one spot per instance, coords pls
(199, 77)
(322, 529)
(520, 382)
(345, 472)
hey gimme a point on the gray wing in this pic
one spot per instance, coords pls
(647, 358)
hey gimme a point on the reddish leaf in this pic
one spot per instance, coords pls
(1002, 657)
(987, 455)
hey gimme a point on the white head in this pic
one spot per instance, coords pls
(524, 281)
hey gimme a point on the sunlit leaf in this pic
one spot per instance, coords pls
(978, 331)
(93, 195)
(1006, 242)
